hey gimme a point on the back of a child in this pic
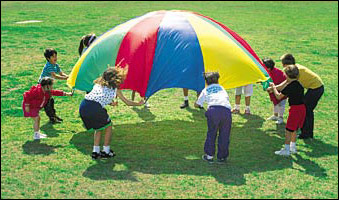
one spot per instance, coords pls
(219, 118)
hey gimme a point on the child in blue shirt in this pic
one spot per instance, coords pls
(218, 116)
(52, 70)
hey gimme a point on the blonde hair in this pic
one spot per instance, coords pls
(112, 77)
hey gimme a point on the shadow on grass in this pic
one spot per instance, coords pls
(144, 113)
(176, 146)
(49, 130)
(35, 147)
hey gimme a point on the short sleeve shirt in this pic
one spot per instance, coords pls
(308, 78)
(295, 93)
(214, 95)
(48, 69)
(101, 94)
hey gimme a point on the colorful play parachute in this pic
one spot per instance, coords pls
(170, 49)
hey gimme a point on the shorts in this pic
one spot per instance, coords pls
(33, 112)
(94, 115)
(247, 90)
(296, 117)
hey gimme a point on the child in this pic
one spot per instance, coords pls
(36, 98)
(278, 77)
(85, 41)
(247, 90)
(218, 116)
(93, 113)
(295, 93)
(52, 70)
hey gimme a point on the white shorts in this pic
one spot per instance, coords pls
(247, 90)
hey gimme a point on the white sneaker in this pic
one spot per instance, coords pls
(293, 151)
(147, 105)
(280, 120)
(273, 118)
(283, 152)
(38, 136)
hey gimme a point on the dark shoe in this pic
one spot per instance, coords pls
(221, 160)
(204, 157)
(105, 155)
(58, 118)
(54, 120)
(95, 155)
(184, 105)
(304, 137)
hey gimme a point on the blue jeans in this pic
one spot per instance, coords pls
(218, 118)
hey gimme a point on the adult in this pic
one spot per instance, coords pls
(315, 89)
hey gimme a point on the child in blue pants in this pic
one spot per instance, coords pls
(218, 116)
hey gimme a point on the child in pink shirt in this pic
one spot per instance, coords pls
(278, 77)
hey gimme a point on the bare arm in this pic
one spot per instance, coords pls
(128, 102)
(277, 94)
(58, 76)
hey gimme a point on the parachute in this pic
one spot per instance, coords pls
(169, 49)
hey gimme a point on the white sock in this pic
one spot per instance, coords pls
(186, 98)
(209, 157)
(247, 107)
(287, 147)
(96, 149)
(106, 149)
(293, 145)
(237, 106)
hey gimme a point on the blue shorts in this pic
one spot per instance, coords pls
(94, 115)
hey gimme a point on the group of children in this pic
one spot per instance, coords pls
(92, 110)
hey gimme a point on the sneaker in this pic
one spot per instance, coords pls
(247, 112)
(147, 106)
(293, 151)
(280, 120)
(58, 118)
(204, 157)
(221, 160)
(272, 118)
(95, 155)
(38, 136)
(235, 111)
(105, 155)
(184, 105)
(53, 120)
(283, 152)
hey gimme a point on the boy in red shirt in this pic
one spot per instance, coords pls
(36, 98)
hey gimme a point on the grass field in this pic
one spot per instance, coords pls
(159, 150)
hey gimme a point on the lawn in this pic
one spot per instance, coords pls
(159, 149)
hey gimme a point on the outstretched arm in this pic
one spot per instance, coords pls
(277, 94)
(128, 102)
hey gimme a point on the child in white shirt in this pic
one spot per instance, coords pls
(218, 116)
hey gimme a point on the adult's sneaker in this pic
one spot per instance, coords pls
(221, 160)
(283, 152)
(105, 155)
(184, 105)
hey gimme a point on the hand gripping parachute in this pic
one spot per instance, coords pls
(170, 49)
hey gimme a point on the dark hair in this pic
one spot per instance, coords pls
(291, 71)
(86, 40)
(49, 52)
(112, 77)
(268, 62)
(287, 59)
(46, 81)
(211, 77)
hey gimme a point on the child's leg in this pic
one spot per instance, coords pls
(282, 108)
(288, 137)
(212, 123)
(97, 138)
(108, 136)
(276, 109)
(36, 125)
(224, 134)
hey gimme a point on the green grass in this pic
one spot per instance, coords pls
(158, 151)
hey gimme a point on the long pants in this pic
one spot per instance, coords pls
(49, 109)
(218, 118)
(312, 98)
